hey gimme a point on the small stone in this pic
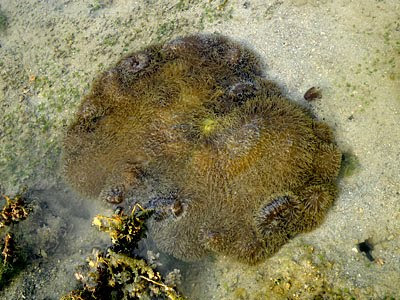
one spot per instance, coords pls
(313, 93)
(379, 261)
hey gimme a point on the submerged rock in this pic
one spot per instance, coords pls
(230, 165)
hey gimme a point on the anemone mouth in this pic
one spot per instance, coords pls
(208, 126)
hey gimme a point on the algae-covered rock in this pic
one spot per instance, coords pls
(119, 273)
(232, 166)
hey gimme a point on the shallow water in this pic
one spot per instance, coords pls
(50, 51)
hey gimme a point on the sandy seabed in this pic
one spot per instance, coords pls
(50, 51)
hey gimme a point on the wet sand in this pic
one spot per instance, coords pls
(51, 51)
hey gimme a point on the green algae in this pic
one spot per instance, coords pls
(350, 164)
(3, 21)
(10, 271)
(305, 272)
(98, 5)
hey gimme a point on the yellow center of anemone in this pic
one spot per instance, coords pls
(208, 126)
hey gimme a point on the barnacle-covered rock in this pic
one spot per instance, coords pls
(193, 129)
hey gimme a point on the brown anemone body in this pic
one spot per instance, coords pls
(246, 168)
